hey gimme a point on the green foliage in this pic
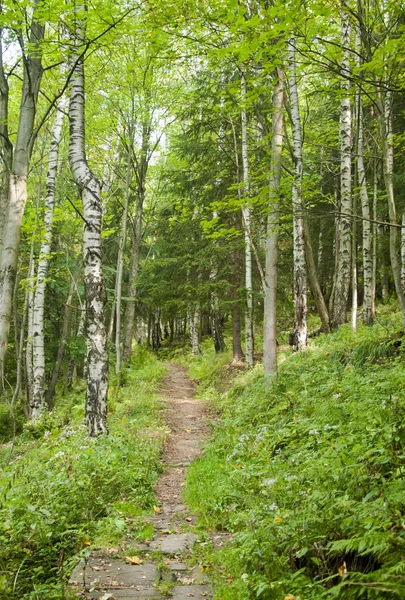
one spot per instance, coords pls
(63, 490)
(309, 475)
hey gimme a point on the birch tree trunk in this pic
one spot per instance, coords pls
(32, 75)
(38, 383)
(270, 288)
(194, 321)
(344, 256)
(368, 308)
(385, 116)
(375, 233)
(89, 188)
(29, 348)
(300, 331)
(247, 222)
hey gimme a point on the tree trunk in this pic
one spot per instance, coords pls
(300, 331)
(29, 348)
(368, 309)
(313, 281)
(385, 109)
(344, 257)
(237, 352)
(403, 251)
(270, 288)
(89, 188)
(194, 321)
(247, 226)
(120, 260)
(375, 231)
(5, 146)
(38, 384)
(50, 393)
(32, 75)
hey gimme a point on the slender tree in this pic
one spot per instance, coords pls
(89, 188)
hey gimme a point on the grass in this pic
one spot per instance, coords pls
(63, 492)
(309, 475)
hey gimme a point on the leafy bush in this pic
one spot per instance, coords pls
(309, 475)
(63, 490)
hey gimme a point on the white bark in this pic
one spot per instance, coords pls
(300, 332)
(32, 74)
(368, 312)
(38, 387)
(375, 232)
(247, 221)
(345, 243)
(29, 344)
(270, 289)
(89, 187)
(194, 321)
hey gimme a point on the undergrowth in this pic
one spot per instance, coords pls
(309, 475)
(63, 492)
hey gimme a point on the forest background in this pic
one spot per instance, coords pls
(178, 170)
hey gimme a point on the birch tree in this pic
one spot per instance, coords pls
(16, 193)
(300, 332)
(38, 381)
(90, 191)
(343, 270)
(247, 227)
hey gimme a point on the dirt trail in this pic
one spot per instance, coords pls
(105, 577)
(186, 419)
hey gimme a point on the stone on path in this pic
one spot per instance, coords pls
(113, 572)
(174, 543)
(185, 592)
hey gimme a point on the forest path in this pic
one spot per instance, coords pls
(105, 576)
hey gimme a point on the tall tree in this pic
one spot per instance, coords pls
(17, 193)
(90, 191)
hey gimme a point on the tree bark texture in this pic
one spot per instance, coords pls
(344, 256)
(89, 188)
(316, 291)
(270, 288)
(38, 383)
(368, 308)
(247, 222)
(300, 331)
(32, 75)
(385, 108)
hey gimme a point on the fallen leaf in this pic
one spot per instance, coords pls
(278, 520)
(157, 509)
(86, 542)
(186, 580)
(134, 560)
